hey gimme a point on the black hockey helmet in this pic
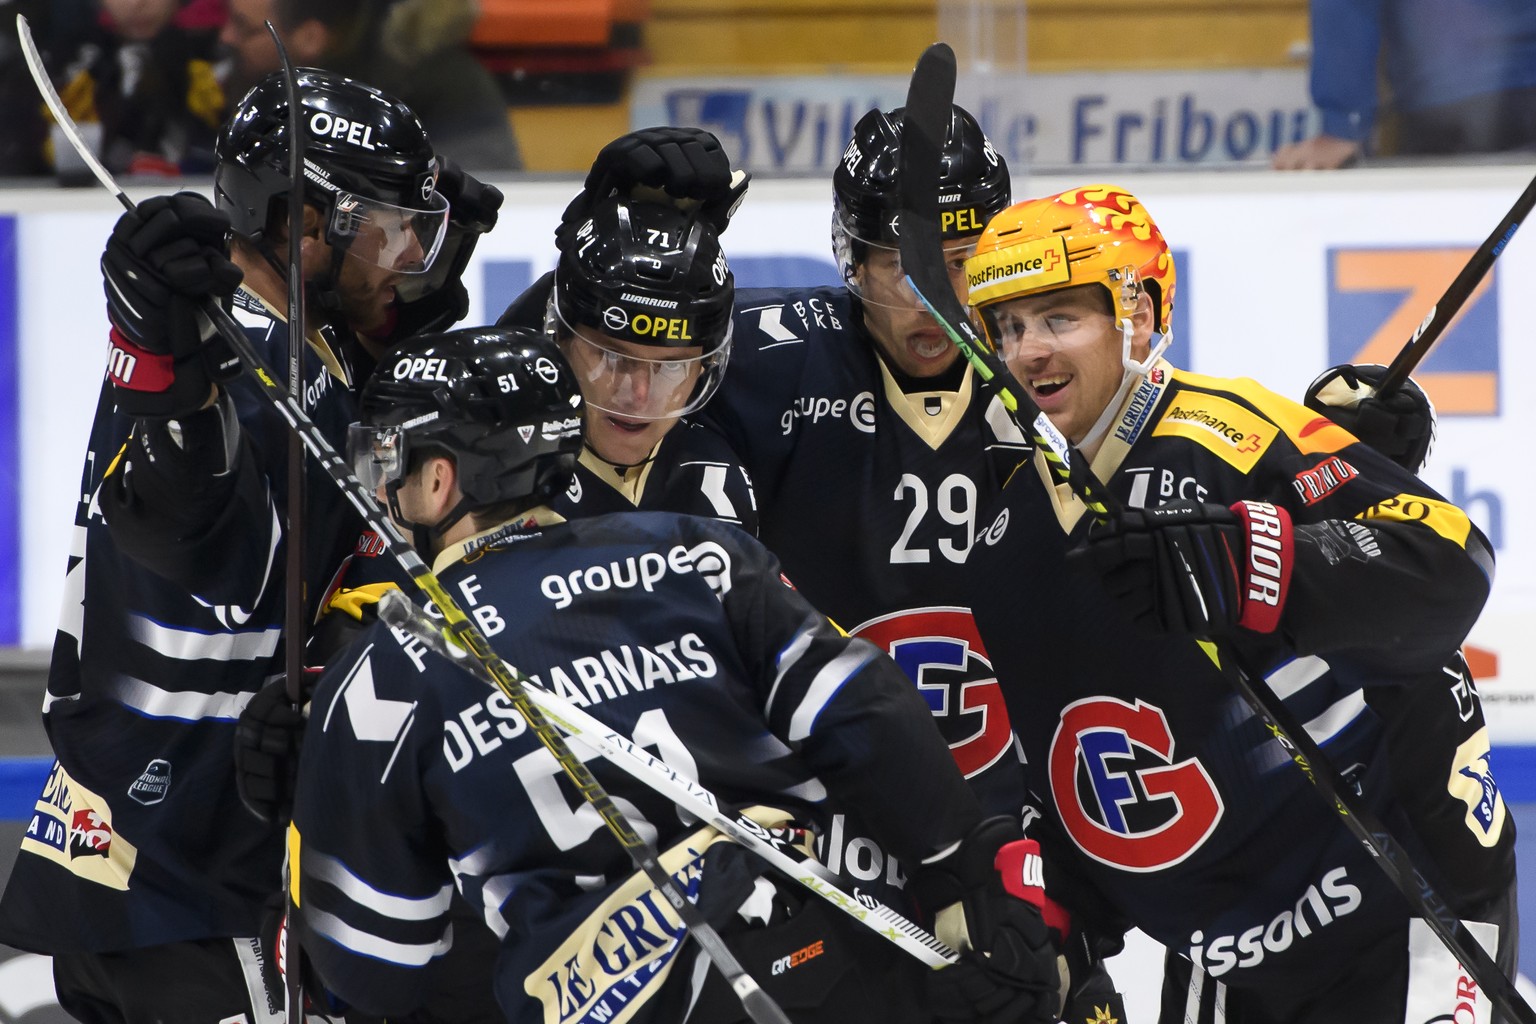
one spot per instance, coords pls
(649, 274)
(370, 168)
(502, 402)
(973, 181)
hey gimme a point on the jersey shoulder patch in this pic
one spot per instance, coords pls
(1228, 429)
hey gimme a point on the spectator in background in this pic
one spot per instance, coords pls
(1461, 75)
(413, 49)
(144, 72)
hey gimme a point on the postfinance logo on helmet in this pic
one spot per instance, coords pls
(1040, 263)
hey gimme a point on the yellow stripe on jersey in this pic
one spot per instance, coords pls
(116, 460)
(1444, 518)
(295, 844)
(1312, 434)
(1232, 433)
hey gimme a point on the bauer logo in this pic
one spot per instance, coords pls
(1377, 302)
(1121, 792)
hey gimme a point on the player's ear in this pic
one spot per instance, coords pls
(1143, 324)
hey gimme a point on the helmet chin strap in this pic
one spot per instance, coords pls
(624, 467)
(1134, 371)
(426, 539)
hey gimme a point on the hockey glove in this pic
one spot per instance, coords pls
(1196, 569)
(437, 299)
(684, 163)
(268, 737)
(986, 898)
(1400, 426)
(162, 262)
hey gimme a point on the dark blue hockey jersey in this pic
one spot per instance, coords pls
(138, 838)
(417, 779)
(870, 498)
(692, 472)
(1179, 813)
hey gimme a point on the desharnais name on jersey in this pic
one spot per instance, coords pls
(1181, 813)
(172, 622)
(674, 630)
(870, 497)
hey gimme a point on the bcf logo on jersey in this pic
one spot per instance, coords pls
(941, 651)
(1121, 795)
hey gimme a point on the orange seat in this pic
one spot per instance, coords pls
(520, 24)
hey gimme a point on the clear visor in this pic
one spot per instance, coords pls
(376, 454)
(397, 238)
(1012, 330)
(616, 379)
(881, 280)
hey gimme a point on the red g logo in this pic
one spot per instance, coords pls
(1120, 794)
(941, 651)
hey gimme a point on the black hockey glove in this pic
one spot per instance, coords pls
(162, 262)
(1196, 569)
(987, 900)
(1400, 426)
(268, 737)
(437, 299)
(684, 163)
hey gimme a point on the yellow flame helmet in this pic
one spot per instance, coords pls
(1090, 234)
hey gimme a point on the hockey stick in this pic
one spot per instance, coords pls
(294, 633)
(757, 1003)
(929, 100)
(293, 624)
(1444, 311)
(406, 616)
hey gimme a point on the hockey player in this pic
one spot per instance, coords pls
(1336, 574)
(140, 872)
(674, 629)
(640, 303)
(873, 447)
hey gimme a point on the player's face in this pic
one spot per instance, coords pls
(367, 293)
(1066, 350)
(246, 37)
(907, 334)
(634, 393)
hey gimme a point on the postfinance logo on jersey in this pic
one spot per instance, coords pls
(1232, 433)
